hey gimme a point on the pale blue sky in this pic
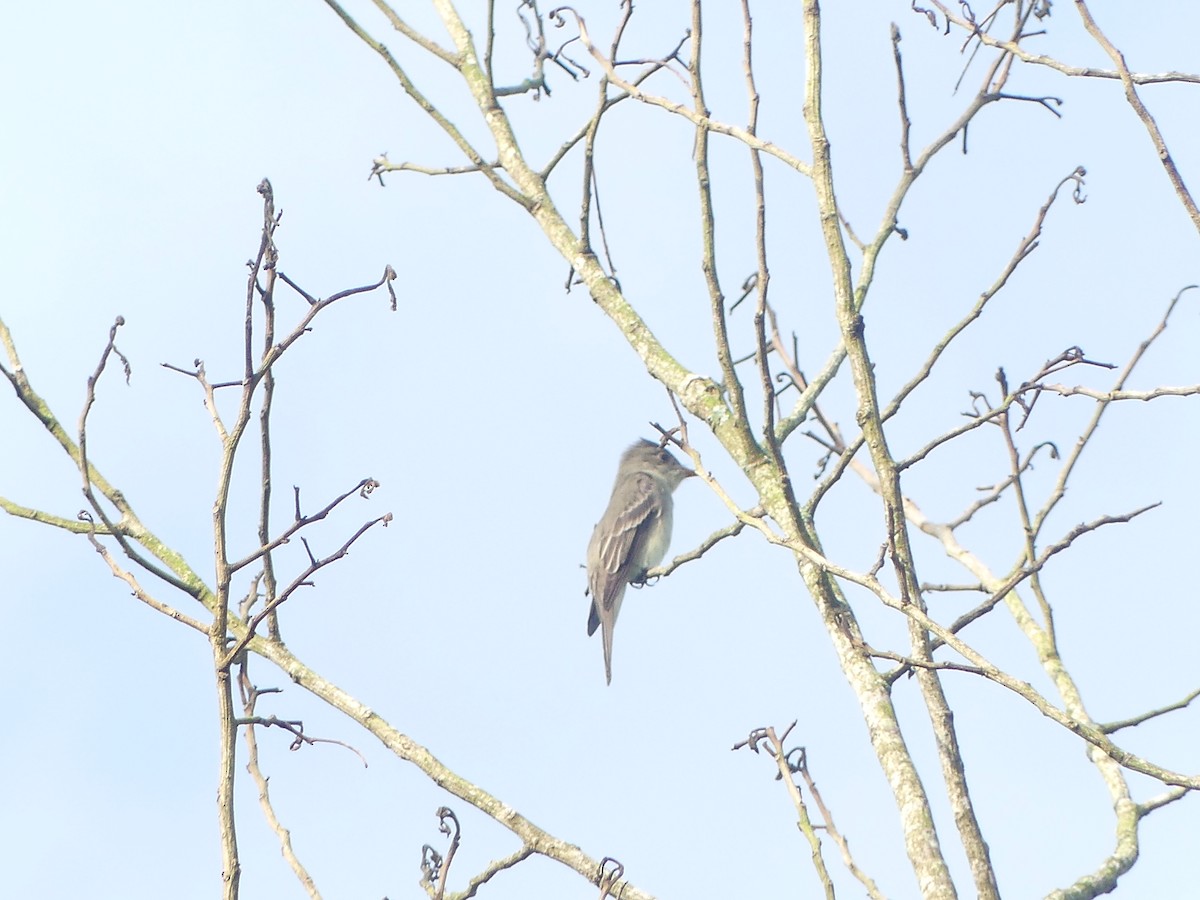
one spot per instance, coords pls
(492, 407)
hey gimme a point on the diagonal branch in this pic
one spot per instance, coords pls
(460, 140)
(1131, 94)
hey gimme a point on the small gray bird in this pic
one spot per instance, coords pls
(633, 535)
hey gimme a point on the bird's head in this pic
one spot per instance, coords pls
(658, 461)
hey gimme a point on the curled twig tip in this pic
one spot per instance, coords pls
(607, 877)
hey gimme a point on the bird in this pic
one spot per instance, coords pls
(633, 534)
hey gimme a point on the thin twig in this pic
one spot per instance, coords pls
(249, 697)
(1110, 727)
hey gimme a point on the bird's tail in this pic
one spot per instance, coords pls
(608, 636)
(594, 622)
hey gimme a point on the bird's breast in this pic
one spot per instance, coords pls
(657, 538)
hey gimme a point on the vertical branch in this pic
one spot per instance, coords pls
(218, 633)
(591, 186)
(270, 585)
(85, 467)
(264, 257)
(902, 101)
(1031, 555)
(1125, 810)
(920, 834)
(762, 310)
(585, 204)
(490, 45)
(763, 274)
(231, 867)
(268, 257)
(1127, 845)
(707, 227)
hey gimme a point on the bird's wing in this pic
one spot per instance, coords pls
(615, 540)
(611, 554)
